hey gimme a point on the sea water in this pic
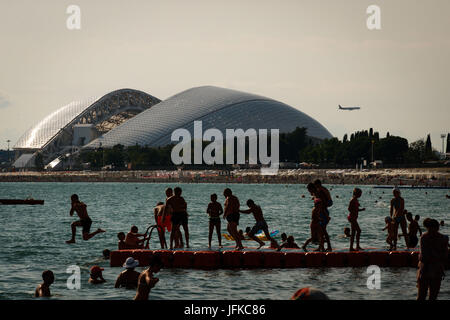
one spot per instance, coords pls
(32, 239)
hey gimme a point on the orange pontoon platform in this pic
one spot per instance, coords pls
(221, 259)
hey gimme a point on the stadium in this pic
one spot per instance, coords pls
(130, 117)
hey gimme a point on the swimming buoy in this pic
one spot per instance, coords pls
(183, 259)
(232, 259)
(294, 259)
(357, 259)
(398, 259)
(273, 259)
(314, 259)
(380, 259)
(336, 259)
(206, 259)
(252, 259)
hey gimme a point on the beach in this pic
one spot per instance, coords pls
(424, 177)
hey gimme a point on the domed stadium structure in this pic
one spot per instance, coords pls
(69, 128)
(130, 117)
(217, 108)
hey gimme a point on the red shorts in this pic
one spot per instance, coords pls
(166, 224)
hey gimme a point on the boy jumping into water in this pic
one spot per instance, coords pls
(354, 209)
(85, 222)
(260, 224)
(214, 210)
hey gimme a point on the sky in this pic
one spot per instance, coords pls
(312, 55)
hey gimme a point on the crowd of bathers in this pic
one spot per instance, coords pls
(172, 215)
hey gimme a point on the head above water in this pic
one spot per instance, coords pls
(431, 224)
(96, 271)
(177, 191)
(48, 277)
(347, 231)
(357, 192)
(155, 263)
(311, 188)
(106, 253)
(213, 197)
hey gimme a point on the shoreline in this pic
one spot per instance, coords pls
(439, 177)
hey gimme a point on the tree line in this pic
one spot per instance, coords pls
(295, 147)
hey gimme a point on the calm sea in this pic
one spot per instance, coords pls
(32, 239)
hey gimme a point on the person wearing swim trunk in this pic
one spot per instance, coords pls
(231, 214)
(325, 196)
(397, 213)
(260, 224)
(85, 221)
(214, 210)
(179, 215)
(352, 217)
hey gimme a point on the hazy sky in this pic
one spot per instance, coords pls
(312, 55)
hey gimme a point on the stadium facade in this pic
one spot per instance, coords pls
(130, 117)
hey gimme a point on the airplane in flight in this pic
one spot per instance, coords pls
(348, 108)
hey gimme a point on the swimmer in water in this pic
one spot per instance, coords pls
(129, 277)
(354, 210)
(96, 276)
(106, 253)
(214, 211)
(260, 224)
(147, 280)
(347, 233)
(85, 222)
(43, 290)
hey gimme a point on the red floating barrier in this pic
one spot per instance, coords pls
(399, 259)
(273, 259)
(118, 257)
(183, 259)
(379, 258)
(232, 259)
(252, 259)
(294, 259)
(166, 257)
(336, 259)
(357, 259)
(314, 259)
(414, 259)
(206, 259)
